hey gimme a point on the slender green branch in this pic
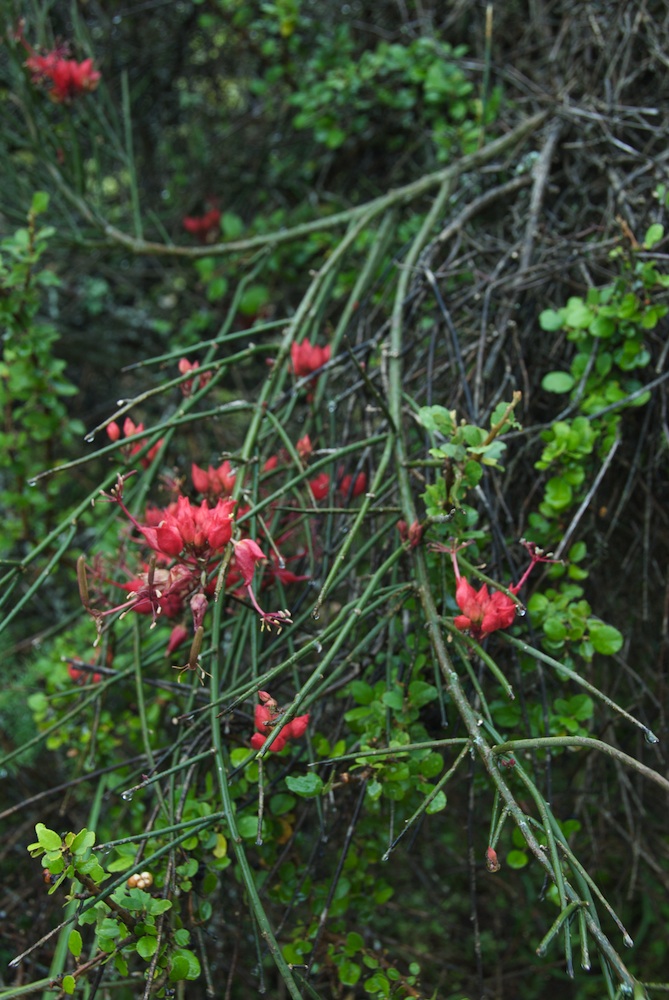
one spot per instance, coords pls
(376, 206)
(537, 742)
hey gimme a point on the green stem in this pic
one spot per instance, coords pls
(537, 742)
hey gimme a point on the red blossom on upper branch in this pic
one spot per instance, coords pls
(203, 378)
(129, 451)
(65, 78)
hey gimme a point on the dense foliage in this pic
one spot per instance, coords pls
(334, 449)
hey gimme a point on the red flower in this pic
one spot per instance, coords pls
(83, 676)
(482, 613)
(266, 716)
(130, 429)
(196, 530)
(67, 77)
(304, 447)
(412, 534)
(160, 591)
(307, 358)
(178, 636)
(214, 481)
(206, 228)
(247, 554)
(320, 486)
(186, 366)
(350, 487)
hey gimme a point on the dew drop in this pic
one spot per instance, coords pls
(121, 402)
(126, 796)
(386, 856)
(521, 611)
(332, 406)
(89, 437)
(282, 563)
(651, 737)
(32, 482)
(627, 941)
(315, 615)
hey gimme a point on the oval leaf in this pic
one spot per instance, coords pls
(306, 785)
(557, 382)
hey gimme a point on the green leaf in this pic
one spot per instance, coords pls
(550, 320)
(146, 946)
(653, 235)
(516, 859)
(281, 804)
(74, 943)
(248, 827)
(83, 841)
(557, 382)
(40, 202)
(394, 700)
(602, 327)
(437, 418)
(558, 493)
(241, 756)
(349, 972)
(158, 906)
(431, 766)
(361, 692)
(48, 839)
(437, 804)
(354, 942)
(421, 693)
(232, 225)
(68, 985)
(185, 965)
(577, 314)
(253, 299)
(555, 629)
(306, 785)
(605, 638)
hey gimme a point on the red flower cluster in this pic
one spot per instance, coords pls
(411, 534)
(66, 78)
(483, 612)
(81, 677)
(206, 228)
(196, 531)
(185, 366)
(214, 482)
(266, 717)
(348, 487)
(130, 429)
(307, 358)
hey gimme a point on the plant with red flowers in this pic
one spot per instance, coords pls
(64, 78)
(484, 612)
(131, 429)
(307, 358)
(267, 718)
(206, 228)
